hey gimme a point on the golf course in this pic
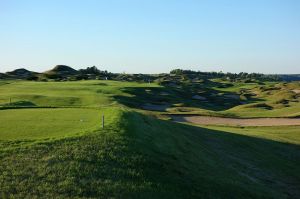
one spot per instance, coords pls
(55, 144)
(151, 99)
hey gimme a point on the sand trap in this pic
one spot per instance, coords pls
(205, 120)
(296, 91)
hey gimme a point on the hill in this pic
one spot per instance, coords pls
(63, 69)
(3, 76)
(20, 73)
(60, 71)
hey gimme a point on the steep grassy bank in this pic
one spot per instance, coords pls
(98, 164)
(140, 157)
(222, 162)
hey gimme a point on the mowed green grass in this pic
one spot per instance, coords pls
(60, 94)
(33, 124)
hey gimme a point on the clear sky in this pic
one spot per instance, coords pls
(151, 36)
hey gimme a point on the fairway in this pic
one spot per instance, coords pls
(62, 94)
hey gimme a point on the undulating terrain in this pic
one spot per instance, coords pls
(52, 144)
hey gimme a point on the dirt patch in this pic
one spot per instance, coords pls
(206, 120)
(296, 91)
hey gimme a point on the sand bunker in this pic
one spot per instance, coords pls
(296, 91)
(205, 120)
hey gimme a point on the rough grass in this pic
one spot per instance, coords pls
(140, 157)
(293, 110)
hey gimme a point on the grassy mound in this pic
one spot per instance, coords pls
(136, 156)
(20, 73)
(259, 105)
(60, 71)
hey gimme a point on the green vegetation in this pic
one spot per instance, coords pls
(276, 100)
(33, 124)
(52, 144)
(140, 157)
(67, 73)
(62, 94)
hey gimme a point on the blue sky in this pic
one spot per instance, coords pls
(151, 36)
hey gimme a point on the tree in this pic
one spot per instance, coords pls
(90, 70)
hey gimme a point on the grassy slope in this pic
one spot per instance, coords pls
(283, 102)
(242, 111)
(239, 163)
(140, 157)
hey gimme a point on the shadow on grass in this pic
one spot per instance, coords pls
(200, 162)
(21, 103)
(143, 157)
(140, 97)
